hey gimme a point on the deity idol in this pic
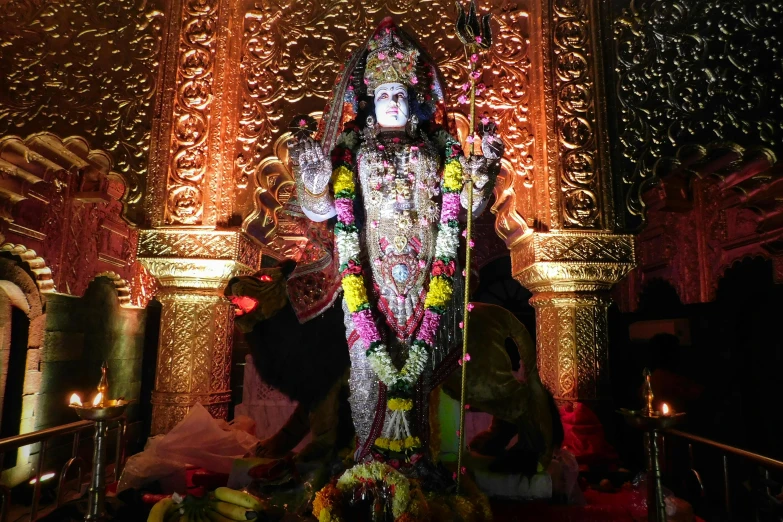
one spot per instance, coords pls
(394, 180)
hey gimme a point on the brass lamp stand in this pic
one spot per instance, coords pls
(101, 411)
(651, 422)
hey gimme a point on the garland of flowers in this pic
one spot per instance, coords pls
(408, 503)
(399, 382)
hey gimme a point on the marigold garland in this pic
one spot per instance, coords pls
(399, 382)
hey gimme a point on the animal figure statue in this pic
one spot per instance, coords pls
(308, 363)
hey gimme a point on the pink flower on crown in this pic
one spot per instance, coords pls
(414, 80)
(475, 75)
(478, 39)
(474, 58)
(398, 56)
(302, 123)
(485, 120)
(462, 99)
(381, 56)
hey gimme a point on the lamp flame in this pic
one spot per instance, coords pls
(665, 409)
(75, 400)
(98, 399)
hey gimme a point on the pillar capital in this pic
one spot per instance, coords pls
(197, 259)
(573, 261)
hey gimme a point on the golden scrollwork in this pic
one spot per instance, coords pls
(86, 65)
(575, 73)
(191, 124)
(292, 51)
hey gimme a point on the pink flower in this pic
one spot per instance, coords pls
(350, 87)
(471, 306)
(465, 86)
(378, 261)
(467, 357)
(478, 39)
(480, 88)
(344, 209)
(395, 140)
(462, 99)
(385, 163)
(414, 80)
(422, 263)
(451, 206)
(381, 147)
(374, 224)
(467, 406)
(485, 120)
(472, 243)
(470, 139)
(465, 233)
(365, 327)
(475, 75)
(463, 470)
(381, 56)
(429, 327)
(302, 123)
(414, 148)
(464, 273)
(366, 81)
(461, 324)
(474, 58)
(398, 56)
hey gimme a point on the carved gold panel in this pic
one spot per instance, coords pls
(88, 68)
(290, 57)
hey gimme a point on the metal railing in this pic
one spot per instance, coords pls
(43, 437)
(725, 451)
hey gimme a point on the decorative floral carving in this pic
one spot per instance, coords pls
(576, 114)
(693, 71)
(191, 127)
(86, 65)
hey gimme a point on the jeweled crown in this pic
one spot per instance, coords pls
(389, 59)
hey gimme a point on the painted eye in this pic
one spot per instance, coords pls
(265, 278)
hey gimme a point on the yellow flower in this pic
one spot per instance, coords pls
(400, 404)
(395, 445)
(412, 442)
(355, 292)
(382, 443)
(343, 179)
(452, 176)
(439, 294)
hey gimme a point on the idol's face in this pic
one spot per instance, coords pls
(391, 105)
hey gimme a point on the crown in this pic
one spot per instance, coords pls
(389, 60)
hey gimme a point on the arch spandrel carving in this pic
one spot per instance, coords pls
(291, 54)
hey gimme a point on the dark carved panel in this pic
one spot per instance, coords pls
(693, 72)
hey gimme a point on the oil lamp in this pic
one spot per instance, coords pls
(101, 410)
(652, 422)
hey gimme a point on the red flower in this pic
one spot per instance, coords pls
(353, 268)
(441, 268)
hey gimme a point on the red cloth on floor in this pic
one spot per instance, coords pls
(584, 435)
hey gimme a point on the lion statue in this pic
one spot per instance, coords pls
(519, 403)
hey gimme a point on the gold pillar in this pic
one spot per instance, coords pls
(568, 252)
(192, 244)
